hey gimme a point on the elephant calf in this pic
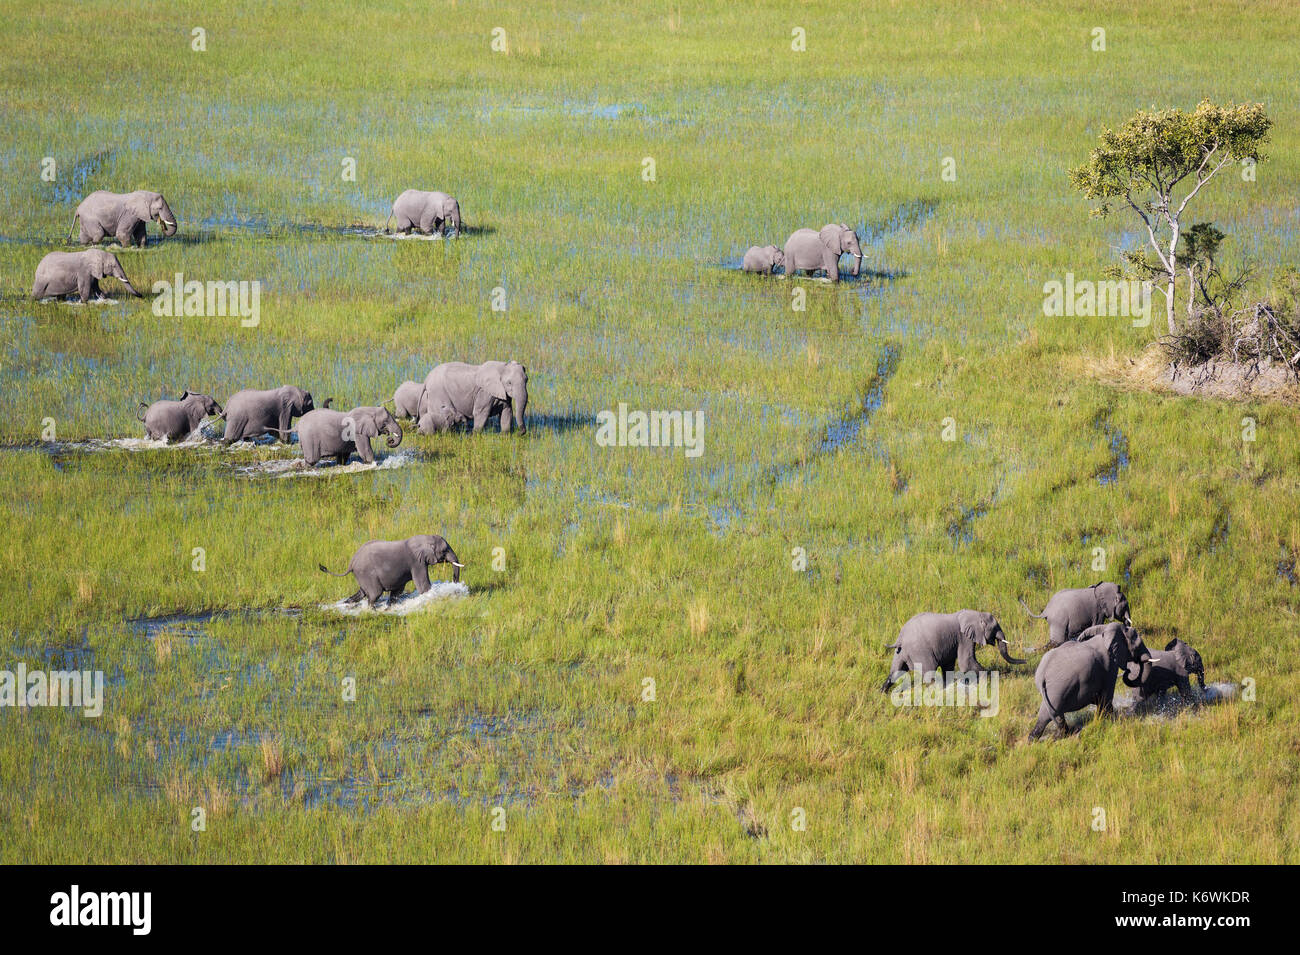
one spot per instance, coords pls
(945, 641)
(62, 273)
(1173, 668)
(426, 211)
(765, 258)
(1079, 673)
(251, 414)
(1071, 612)
(176, 420)
(325, 433)
(406, 400)
(388, 566)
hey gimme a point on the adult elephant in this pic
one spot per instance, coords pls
(326, 433)
(122, 215)
(406, 399)
(807, 250)
(388, 566)
(175, 420)
(62, 273)
(945, 641)
(251, 414)
(1072, 611)
(1082, 672)
(456, 392)
(426, 211)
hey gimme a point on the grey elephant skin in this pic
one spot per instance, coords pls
(123, 216)
(388, 566)
(1082, 672)
(945, 641)
(1175, 666)
(1070, 612)
(251, 414)
(176, 420)
(808, 251)
(763, 258)
(406, 399)
(326, 433)
(62, 273)
(455, 392)
(426, 211)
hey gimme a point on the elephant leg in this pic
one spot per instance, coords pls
(1045, 716)
(420, 574)
(507, 418)
(365, 452)
(341, 459)
(427, 222)
(897, 670)
(125, 235)
(91, 234)
(1056, 634)
(85, 287)
(356, 597)
(831, 263)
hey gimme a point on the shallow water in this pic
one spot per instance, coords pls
(408, 603)
(297, 467)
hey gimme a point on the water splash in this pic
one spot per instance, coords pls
(404, 604)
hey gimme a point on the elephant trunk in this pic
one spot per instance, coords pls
(857, 264)
(1144, 673)
(520, 403)
(456, 565)
(394, 432)
(1005, 651)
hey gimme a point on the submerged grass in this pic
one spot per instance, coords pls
(824, 430)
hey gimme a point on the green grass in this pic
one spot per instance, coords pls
(628, 564)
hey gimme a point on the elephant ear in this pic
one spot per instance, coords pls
(966, 625)
(1171, 644)
(365, 426)
(489, 379)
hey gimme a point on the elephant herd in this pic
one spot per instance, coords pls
(1084, 657)
(453, 393)
(808, 250)
(126, 216)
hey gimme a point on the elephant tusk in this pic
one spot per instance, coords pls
(1153, 660)
(454, 564)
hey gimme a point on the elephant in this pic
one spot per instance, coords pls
(808, 250)
(766, 258)
(1070, 612)
(176, 420)
(1075, 674)
(326, 433)
(426, 211)
(62, 273)
(406, 400)
(1176, 664)
(455, 392)
(381, 566)
(250, 414)
(123, 216)
(945, 641)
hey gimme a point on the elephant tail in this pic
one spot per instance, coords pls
(892, 646)
(386, 221)
(71, 228)
(1028, 611)
(138, 415)
(326, 570)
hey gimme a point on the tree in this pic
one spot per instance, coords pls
(1157, 161)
